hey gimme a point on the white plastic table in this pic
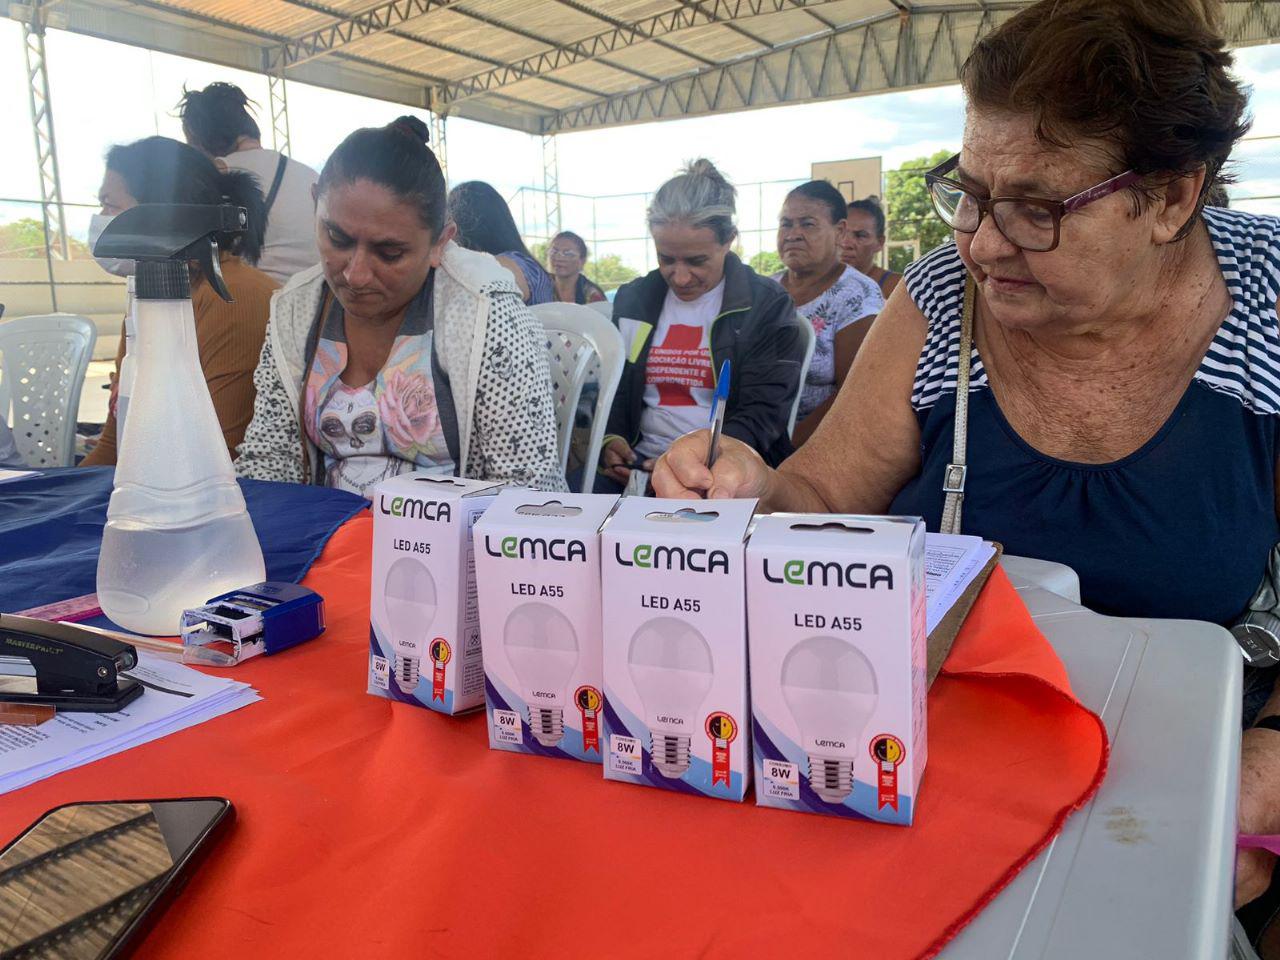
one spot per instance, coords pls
(1145, 869)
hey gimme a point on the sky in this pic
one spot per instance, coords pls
(140, 88)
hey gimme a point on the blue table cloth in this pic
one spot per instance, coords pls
(51, 529)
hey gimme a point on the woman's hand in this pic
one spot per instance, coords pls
(682, 471)
(1259, 810)
(616, 459)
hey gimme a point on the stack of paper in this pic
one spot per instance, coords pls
(176, 697)
(951, 562)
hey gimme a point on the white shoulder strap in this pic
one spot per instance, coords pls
(954, 477)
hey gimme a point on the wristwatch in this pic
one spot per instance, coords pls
(1258, 634)
(1268, 723)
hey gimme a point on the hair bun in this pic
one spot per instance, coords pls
(411, 127)
(702, 167)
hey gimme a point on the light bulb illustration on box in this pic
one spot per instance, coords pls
(830, 687)
(543, 650)
(409, 596)
(671, 666)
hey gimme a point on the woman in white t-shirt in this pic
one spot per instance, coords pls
(216, 121)
(702, 306)
(836, 299)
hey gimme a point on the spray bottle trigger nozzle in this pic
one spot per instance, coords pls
(211, 266)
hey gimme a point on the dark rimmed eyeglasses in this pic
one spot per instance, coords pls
(1029, 223)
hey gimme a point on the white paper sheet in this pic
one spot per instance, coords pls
(176, 697)
(951, 563)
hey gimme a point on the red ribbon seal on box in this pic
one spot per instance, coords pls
(441, 653)
(589, 701)
(723, 730)
(887, 751)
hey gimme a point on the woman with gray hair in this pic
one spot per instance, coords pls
(702, 306)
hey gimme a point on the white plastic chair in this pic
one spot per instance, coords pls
(43, 362)
(804, 372)
(581, 346)
(602, 307)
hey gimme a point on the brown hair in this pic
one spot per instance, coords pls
(1148, 76)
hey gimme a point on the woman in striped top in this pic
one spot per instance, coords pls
(1124, 400)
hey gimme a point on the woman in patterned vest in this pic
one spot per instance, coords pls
(400, 351)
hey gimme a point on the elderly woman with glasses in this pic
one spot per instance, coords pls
(1114, 342)
(566, 256)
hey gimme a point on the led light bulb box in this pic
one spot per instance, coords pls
(675, 653)
(538, 570)
(424, 616)
(836, 612)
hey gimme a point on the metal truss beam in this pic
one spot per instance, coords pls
(884, 52)
(551, 184)
(920, 46)
(692, 14)
(52, 212)
(440, 144)
(380, 19)
(279, 98)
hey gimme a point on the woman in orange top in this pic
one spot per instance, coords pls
(228, 335)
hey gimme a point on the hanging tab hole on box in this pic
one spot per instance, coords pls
(684, 516)
(833, 527)
(553, 508)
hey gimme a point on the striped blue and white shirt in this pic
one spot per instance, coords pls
(1182, 526)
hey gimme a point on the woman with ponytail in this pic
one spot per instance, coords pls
(401, 351)
(228, 335)
(217, 122)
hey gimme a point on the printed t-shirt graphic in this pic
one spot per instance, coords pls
(679, 382)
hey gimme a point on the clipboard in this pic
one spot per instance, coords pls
(948, 628)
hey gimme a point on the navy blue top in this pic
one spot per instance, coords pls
(1181, 527)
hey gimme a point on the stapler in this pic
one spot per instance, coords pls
(63, 666)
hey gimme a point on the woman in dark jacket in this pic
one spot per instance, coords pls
(702, 306)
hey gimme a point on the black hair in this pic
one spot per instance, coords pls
(871, 207)
(484, 220)
(161, 170)
(216, 117)
(577, 240)
(396, 157)
(823, 192)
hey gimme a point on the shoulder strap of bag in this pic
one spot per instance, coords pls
(957, 470)
(275, 184)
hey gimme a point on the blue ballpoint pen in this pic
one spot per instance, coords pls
(718, 403)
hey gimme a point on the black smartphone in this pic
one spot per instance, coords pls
(86, 880)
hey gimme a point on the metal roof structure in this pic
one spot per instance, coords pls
(552, 66)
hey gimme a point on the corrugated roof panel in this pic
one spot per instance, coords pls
(654, 59)
(455, 29)
(717, 42)
(598, 75)
(268, 16)
(409, 55)
(785, 27)
(551, 95)
(554, 22)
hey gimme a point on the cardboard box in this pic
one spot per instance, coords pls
(836, 607)
(538, 570)
(424, 629)
(675, 657)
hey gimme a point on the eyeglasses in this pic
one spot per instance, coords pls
(1029, 223)
(565, 254)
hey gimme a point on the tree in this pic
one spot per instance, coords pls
(24, 240)
(910, 212)
(766, 263)
(539, 252)
(609, 271)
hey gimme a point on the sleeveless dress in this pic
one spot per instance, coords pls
(1181, 527)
